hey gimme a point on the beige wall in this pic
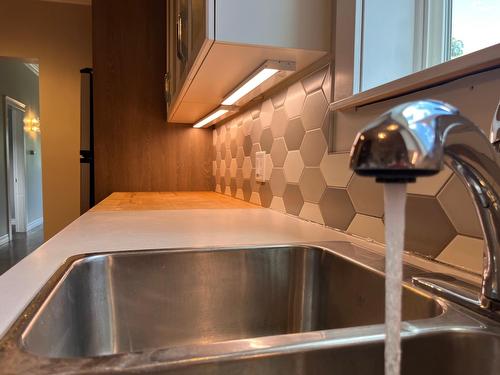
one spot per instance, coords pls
(59, 36)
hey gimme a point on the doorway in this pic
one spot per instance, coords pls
(21, 204)
(16, 165)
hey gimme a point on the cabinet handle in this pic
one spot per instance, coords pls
(180, 52)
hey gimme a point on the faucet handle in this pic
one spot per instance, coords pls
(495, 129)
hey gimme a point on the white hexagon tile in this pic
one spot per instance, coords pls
(304, 179)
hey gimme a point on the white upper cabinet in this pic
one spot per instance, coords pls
(214, 45)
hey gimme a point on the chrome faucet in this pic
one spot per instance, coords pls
(495, 130)
(414, 140)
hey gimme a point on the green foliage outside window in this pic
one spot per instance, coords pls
(457, 48)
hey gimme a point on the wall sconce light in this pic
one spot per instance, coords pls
(31, 124)
(257, 78)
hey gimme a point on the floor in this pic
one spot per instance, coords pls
(21, 245)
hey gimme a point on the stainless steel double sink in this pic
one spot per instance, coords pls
(307, 309)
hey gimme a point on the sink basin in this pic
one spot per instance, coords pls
(446, 353)
(135, 301)
(308, 309)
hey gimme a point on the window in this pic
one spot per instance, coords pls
(474, 25)
(395, 38)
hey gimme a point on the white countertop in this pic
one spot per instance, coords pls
(158, 229)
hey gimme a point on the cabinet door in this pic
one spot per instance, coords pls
(187, 39)
(191, 31)
(172, 74)
(183, 31)
(197, 26)
(177, 47)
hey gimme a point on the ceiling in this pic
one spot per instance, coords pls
(79, 2)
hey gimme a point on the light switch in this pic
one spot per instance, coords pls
(260, 166)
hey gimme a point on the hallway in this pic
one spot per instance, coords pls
(21, 245)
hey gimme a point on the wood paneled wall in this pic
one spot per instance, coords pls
(135, 149)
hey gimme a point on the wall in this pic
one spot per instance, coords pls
(59, 36)
(306, 180)
(20, 83)
(135, 149)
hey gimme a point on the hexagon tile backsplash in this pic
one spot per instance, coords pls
(303, 179)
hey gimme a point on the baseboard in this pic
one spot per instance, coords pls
(34, 224)
(4, 239)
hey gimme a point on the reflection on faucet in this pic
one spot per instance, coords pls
(495, 129)
(415, 139)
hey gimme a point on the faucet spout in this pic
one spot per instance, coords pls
(415, 139)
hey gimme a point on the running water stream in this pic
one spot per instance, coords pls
(394, 206)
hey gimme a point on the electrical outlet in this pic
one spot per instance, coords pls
(260, 166)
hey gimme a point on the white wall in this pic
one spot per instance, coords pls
(286, 23)
(476, 96)
(34, 198)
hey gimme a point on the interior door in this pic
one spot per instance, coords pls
(19, 169)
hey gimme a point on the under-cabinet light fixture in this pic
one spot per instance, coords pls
(221, 111)
(261, 75)
(257, 78)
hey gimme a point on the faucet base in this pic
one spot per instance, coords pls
(460, 292)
